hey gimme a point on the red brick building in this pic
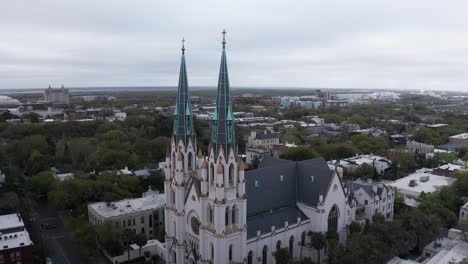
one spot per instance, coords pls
(15, 243)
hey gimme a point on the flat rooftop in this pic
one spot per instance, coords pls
(15, 240)
(129, 206)
(10, 221)
(460, 136)
(434, 183)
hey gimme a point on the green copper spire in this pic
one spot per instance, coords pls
(223, 120)
(183, 117)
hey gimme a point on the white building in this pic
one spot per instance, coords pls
(252, 154)
(372, 198)
(15, 243)
(59, 96)
(463, 212)
(142, 215)
(2, 178)
(64, 176)
(380, 164)
(216, 212)
(419, 148)
(450, 249)
(263, 140)
(420, 181)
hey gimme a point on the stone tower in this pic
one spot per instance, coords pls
(181, 168)
(223, 184)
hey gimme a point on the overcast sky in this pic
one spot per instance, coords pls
(417, 44)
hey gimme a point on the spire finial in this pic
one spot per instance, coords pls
(183, 45)
(224, 37)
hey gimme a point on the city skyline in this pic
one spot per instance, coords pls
(417, 45)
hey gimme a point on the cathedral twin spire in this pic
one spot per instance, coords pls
(223, 134)
(183, 117)
(223, 119)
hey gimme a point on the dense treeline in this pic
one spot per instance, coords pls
(83, 147)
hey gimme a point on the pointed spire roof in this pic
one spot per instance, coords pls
(183, 117)
(223, 133)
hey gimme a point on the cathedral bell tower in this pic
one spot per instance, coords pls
(181, 166)
(223, 185)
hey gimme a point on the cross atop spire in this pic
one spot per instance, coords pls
(183, 117)
(224, 38)
(223, 134)
(183, 45)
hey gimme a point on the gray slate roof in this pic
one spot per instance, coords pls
(279, 183)
(277, 218)
(261, 136)
(367, 187)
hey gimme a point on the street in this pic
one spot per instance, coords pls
(56, 239)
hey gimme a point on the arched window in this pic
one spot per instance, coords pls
(211, 214)
(303, 238)
(183, 162)
(212, 251)
(230, 253)
(231, 175)
(211, 174)
(291, 246)
(333, 219)
(227, 216)
(265, 255)
(234, 214)
(190, 161)
(278, 245)
(173, 197)
(174, 257)
(173, 160)
(250, 258)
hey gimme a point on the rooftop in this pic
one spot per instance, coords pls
(15, 240)
(10, 221)
(129, 206)
(450, 167)
(432, 184)
(368, 159)
(460, 136)
(452, 252)
(437, 125)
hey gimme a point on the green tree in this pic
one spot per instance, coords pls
(299, 154)
(463, 226)
(354, 227)
(9, 202)
(42, 182)
(32, 117)
(306, 260)
(424, 228)
(378, 218)
(255, 162)
(367, 144)
(128, 236)
(445, 157)
(365, 171)
(141, 240)
(318, 241)
(282, 256)
(333, 246)
(108, 237)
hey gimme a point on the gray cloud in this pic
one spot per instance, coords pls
(420, 44)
